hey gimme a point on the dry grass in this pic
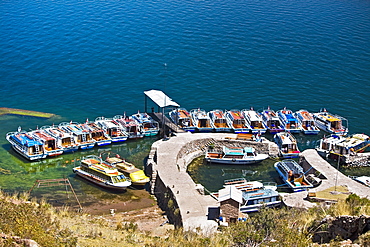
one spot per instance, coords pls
(333, 193)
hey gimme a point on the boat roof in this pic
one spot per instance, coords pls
(26, 140)
(97, 165)
(43, 135)
(236, 114)
(230, 192)
(248, 195)
(218, 113)
(160, 98)
(353, 141)
(252, 115)
(286, 138)
(237, 150)
(290, 164)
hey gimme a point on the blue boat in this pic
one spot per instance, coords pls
(292, 175)
(290, 123)
(26, 145)
(272, 121)
(150, 127)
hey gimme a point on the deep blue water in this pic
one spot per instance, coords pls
(86, 58)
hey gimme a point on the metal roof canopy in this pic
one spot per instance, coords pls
(160, 98)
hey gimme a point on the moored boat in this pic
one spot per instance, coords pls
(343, 146)
(237, 121)
(93, 169)
(254, 121)
(252, 195)
(130, 125)
(287, 144)
(26, 145)
(65, 139)
(272, 121)
(219, 121)
(114, 130)
(331, 123)
(82, 136)
(181, 117)
(292, 175)
(235, 156)
(307, 122)
(98, 134)
(149, 125)
(290, 123)
(365, 180)
(136, 175)
(51, 145)
(201, 120)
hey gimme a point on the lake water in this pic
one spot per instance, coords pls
(82, 59)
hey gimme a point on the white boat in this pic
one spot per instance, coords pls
(26, 145)
(235, 156)
(98, 134)
(343, 146)
(130, 125)
(287, 144)
(51, 145)
(292, 174)
(219, 121)
(365, 180)
(65, 139)
(114, 130)
(237, 121)
(254, 121)
(272, 121)
(181, 117)
(93, 169)
(290, 123)
(254, 194)
(149, 125)
(331, 123)
(82, 136)
(307, 122)
(201, 120)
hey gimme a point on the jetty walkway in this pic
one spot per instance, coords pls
(312, 162)
(185, 202)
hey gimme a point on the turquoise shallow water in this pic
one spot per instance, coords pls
(84, 59)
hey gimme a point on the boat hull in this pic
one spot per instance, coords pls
(236, 161)
(257, 207)
(100, 183)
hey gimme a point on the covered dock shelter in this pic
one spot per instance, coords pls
(162, 101)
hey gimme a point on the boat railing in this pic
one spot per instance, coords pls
(235, 181)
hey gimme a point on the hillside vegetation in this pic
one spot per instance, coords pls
(48, 226)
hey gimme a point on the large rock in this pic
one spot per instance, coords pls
(344, 227)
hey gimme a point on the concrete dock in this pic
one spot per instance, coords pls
(312, 162)
(184, 201)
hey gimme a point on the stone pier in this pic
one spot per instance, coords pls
(185, 202)
(313, 163)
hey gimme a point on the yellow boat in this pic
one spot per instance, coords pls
(136, 175)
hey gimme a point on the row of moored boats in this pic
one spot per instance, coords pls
(66, 137)
(251, 121)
